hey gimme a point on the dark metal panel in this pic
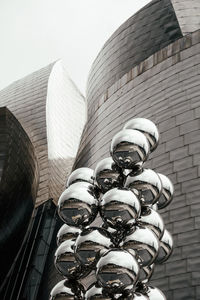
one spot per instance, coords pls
(18, 187)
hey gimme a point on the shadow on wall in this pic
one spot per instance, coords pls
(18, 187)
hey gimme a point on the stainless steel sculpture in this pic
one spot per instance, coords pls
(123, 250)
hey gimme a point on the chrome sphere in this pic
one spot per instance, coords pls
(146, 273)
(65, 261)
(78, 205)
(128, 148)
(148, 128)
(81, 174)
(96, 292)
(117, 271)
(144, 243)
(120, 208)
(167, 192)
(108, 175)
(134, 296)
(90, 244)
(152, 293)
(153, 220)
(148, 184)
(66, 233)
(165, 249)
(66, 290)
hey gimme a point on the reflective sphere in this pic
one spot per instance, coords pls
(66, 290)
(165, 249)
(145, 244)
(65, 261)
(120, 208)
(67, 232)
(148, 183)
(128, 148)
(135, 296)
(146, 273)
(108, 175)
(79, 175)
(153, 293)
(148, 128)
(167, 192)
(153, 220)
(95, 292)
(78, 206)
(90, 244)
(117, 270)
(154, 207)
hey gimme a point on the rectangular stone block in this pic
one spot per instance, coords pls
(187, 174)
(186, 116)
(190, 185)
(181, 213)
(170, 134)
(193, 264)
(180, 281)
(183, 164)
(178, 267)
(190, 126)
(175, 143)
(195, 209)
(179, 153)
(184, 225)
(188, 238)
(185, 293)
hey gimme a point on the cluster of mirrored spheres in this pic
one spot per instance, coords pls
(112, 226)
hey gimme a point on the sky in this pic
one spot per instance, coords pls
(34, 33)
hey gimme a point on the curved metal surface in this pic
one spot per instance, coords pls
(18, 187)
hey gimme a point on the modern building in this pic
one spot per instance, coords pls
(42, 118)
(148, 68)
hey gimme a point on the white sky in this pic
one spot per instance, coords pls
(34, 33)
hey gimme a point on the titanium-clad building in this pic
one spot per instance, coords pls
(42, 118)
(150, 67)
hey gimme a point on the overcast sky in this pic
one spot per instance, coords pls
(34, 33)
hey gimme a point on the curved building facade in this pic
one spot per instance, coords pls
(162, 85)
(47, 104)
(19, 183)
(42, 118)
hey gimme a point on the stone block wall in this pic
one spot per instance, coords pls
(165, 89)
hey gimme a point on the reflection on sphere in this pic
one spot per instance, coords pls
(128, 148)
(78, 206)
(148, 128)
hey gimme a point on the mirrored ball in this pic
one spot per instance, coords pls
(146, 273)
(166, 247)
(148, 184)
(81, 175)
(148, 128)
(153, 220)
(96, 292)
(128, 148)
(67, 232)
(152, 293)
(65, 261)
(78, 205)
(67, 290)
(144, 243)
(90, 244)
(120, 208)
(108, 174)
(166, 196)
(117, 270)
